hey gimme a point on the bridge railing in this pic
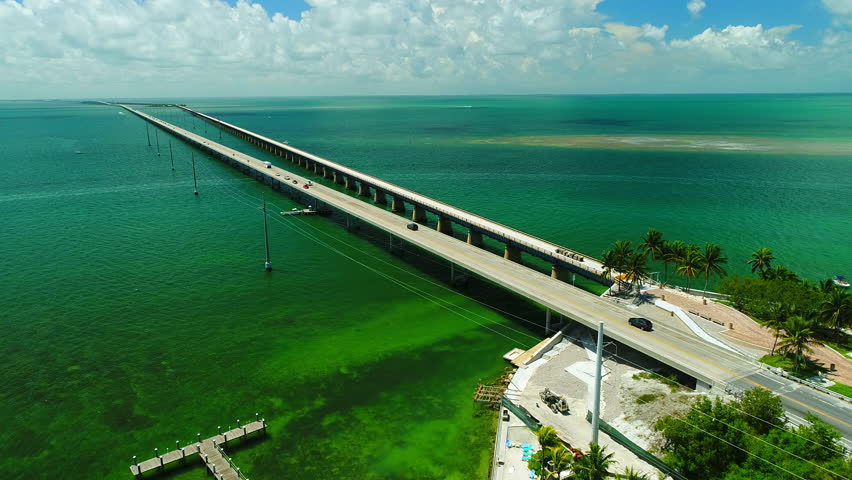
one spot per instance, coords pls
(433, 204)
(231, 462)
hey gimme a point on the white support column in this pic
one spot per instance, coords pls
(596, 412)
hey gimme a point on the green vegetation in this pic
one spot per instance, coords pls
(806, 370)
(800, 312)
(648, 398)
(670, 381)
(690, 261)
(841, 389)
(747, 439)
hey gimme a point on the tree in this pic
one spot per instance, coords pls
(703, 443)
(827, 285)
(711, 262)
(780, 272)
(775, 318)
(631, 474)
(560, 459)
(763, 409)
(675, 251)
(797, 338)
(547, 438)
(635, 269)
(594, 464)
(690, 265)
(609, 262)
(652, 244)
(761, 260)
(836, 309)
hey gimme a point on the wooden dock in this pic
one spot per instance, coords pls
(208, 450)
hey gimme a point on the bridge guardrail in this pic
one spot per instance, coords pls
(434, 204)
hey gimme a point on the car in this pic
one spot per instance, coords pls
(412, 226)
(310, 183)
(277, 174)
(295, 181)
(641, 323)
(306, 186)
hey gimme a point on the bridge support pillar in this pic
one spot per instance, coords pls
(379, 197)
(337, 177)
(445, 225)
(397, 205)
(418, 214)
(363, 190)
(560, 273)
(326, 172)
(512, 253)
(350, 183)
(547, 322)
(474, 238)
(317, 167)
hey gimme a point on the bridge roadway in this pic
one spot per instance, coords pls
(674, 347)
(556, 254)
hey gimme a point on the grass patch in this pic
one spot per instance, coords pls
(670, 381)
(649, 397)
(841, 389)
(806, 370)
(842, 345)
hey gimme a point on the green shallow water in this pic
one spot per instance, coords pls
(135, 314)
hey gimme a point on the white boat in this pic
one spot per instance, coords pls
(840, 281)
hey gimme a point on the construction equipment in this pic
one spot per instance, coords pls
(556, 403)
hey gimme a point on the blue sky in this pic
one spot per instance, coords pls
(103, 48)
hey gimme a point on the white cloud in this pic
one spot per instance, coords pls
(744, 46)
(104, 48)
(695, 7)
(841, 9)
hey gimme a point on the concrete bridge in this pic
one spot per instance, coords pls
(711, 365)
(516, 242)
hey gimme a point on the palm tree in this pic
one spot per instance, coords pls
(776, 317)
(780, 272)
(836, 309)
(594, 464)
(711, 262)
(690, 264)
(631, 474)
(635, 269)
(827, 286)
(547, 437)
(652, 244)
(621, 249)
(797, 338)
(761, 260)
(609, 262)
(675, 251)
(560, 459)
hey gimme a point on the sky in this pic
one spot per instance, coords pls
(235, 48)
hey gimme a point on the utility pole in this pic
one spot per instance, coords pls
(147, 134)
(157, 136)
(194, 180)
(171, 155)
(268, 264)
(596, 408)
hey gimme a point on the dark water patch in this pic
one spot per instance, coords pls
(606, 122)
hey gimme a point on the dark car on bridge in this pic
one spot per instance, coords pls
(412, 226)
(641, 323)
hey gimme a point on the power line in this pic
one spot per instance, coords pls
(764, 441)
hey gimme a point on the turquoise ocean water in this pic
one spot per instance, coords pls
(134, 314)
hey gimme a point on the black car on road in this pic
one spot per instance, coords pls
(641, 323)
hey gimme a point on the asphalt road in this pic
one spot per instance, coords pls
(681, 350)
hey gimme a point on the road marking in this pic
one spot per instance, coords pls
(498, 272)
